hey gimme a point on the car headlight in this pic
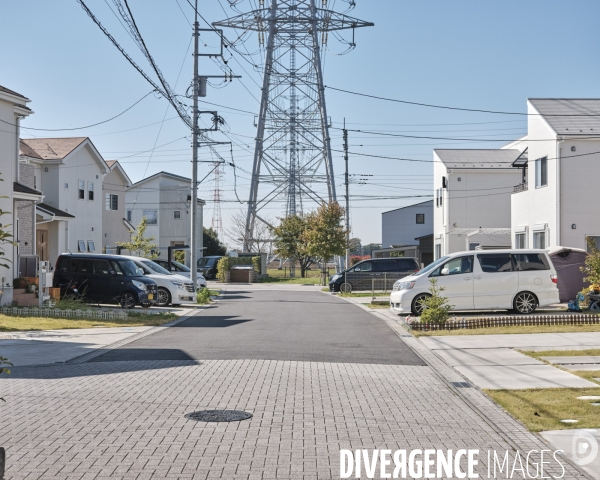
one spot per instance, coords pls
(335, 277)
(178, 284)
(140, 285)
(403, 286)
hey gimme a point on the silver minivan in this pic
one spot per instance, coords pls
(517, 280)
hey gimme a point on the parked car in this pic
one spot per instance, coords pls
(208, 266)
(103, 279)
(183, 270)
(377, 272)
(518, 280)
(172, 288)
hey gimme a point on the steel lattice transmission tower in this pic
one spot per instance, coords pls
(292, 155)
(217, 221)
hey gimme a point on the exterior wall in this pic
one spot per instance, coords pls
(113, 228)
(399, 227)
(439, 215)
(480, 199)
(87, 224)
(164, 194)
(9, 173)
(25, 211)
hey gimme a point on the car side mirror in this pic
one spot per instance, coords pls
(113, 273)
(445, 271)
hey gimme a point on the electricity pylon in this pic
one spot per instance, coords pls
(292, 155)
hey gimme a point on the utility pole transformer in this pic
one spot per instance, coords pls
(292, 154)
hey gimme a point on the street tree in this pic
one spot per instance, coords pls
(140, 245)
(289, 241)
(326, 235)
(261, 237)
(211, 242)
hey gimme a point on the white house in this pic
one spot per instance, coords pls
(401, 226)
(164, 199)
(472, 206)
(69, 171)
(115, 227)
(12, 109)
(555, 201)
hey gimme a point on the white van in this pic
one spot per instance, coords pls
(518, 280)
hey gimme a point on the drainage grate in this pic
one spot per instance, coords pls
(461, 384)
(219, 416)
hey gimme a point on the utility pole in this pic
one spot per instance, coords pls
(347, 183)
(194, 196)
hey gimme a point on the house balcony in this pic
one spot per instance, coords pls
(521, 187)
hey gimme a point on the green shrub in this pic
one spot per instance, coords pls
(203, 296)
(20, 282)
(436, 308)
(223, 266)
(256, 263)
(70, 302)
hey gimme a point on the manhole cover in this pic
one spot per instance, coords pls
(219, 416)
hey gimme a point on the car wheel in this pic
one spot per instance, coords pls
(163, 297)
(525, 302)
(346, 287)
(128, 300)
(417, 304)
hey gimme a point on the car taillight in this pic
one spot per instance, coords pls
(554, 279)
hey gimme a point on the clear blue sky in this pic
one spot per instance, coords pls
(468, 53)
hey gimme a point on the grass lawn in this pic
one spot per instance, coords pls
(296, 281)
(551, 405)
(511, 330)
(15, 324)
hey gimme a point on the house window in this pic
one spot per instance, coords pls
(129, 215)
(438, 251)
(90, 190)
(81, 245)
(420, 218)
(66, 185)
(112, 201)
(539, 240)
(151, 217)
(35, 182)
(520, 240)
(541, 172)
(91, 246)
(177, 214)
(594, 241)
(81, 190)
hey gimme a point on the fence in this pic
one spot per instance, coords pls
(63, 313)
(508, 321)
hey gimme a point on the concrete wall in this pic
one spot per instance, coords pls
(113, 228)
(399, 227)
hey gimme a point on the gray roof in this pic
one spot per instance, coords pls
(472, 158)
(570, 116)
(12, 92)
(408, 206)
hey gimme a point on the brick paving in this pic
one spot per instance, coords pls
(126, 419)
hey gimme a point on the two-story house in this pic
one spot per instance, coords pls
(13, 108)
(69, 171)
(164, 199)
(472, 205)
(554, 202)
(115, 226)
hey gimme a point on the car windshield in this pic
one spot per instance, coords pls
(432, 266)
(126, 267)
(206, 262)
(155, 267)
(181, 267)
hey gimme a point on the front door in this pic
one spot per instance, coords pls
(496, 281)
(456, 277)
(41, 244)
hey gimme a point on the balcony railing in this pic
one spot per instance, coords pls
(521, 187)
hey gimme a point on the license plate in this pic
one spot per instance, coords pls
(150, 296)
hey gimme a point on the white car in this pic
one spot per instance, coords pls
(172, 289)
(183, 270)
(518, 280)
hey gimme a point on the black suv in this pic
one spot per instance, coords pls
(207, 266)
(377, 273)
(103, 279)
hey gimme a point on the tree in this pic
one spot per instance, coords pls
(436, 308)
(261, 237)
(591, 267)
(355, 246)
(289, 241)
(326, 236)
(212, 244)
(139, 245)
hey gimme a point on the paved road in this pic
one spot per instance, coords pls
(317, 374)
(275, 325)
